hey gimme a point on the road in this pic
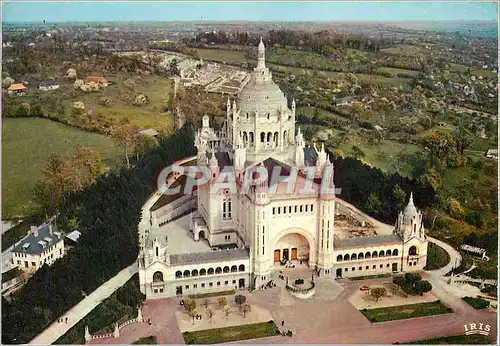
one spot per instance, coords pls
(79, 311)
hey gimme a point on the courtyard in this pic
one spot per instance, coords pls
(332, 315)
(394, 297)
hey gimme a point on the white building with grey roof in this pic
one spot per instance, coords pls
(43, 245)
(223, 240)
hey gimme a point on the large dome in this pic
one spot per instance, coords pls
(265, 96)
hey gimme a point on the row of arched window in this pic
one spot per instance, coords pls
(367, 255)
(265, 137)
(210, 271)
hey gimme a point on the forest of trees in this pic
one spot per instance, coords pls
(324, 42)
(107, 214)
(379, 194)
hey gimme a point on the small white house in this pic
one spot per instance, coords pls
(50, 85)
(42, 245)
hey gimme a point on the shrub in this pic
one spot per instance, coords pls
(240, 299)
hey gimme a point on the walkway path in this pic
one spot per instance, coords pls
(83, 308)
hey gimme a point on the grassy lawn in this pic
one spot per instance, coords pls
(477, 303)
(405, 311)
(455, 340)
(362, 77)
(384, 155)
(157, 89)
(403, 49)
(437, 257)
(222, 55)
(234, 333)
(370, 277)
(399, 71)
(149, 340)
(211, 294)
(26, 145)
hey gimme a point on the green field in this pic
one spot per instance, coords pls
(404, 49)
(384, 155)
(158, 90)
(26, 145)
(437, 257)
(234, 333)
(399, 71)
(362, 77)
(222, 55)
(405, 311)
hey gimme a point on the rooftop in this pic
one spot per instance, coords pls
(37, 245)
(366, 241)
(18, 86)
(212, 256)
(149, 132)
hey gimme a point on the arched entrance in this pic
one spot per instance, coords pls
(241, 283)
(201, 235)
(290, 247)
(338, 273)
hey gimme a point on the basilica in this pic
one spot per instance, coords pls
(217, 240)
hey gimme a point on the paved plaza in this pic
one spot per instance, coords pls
(219, 319)
(328, 317)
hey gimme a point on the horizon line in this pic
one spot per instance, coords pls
(256, 21)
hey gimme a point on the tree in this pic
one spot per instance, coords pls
(422, 286)
(411, 278)
(192, 314)
(456, 210)
(125, 135)
(399, 280)
(441, 145)
(240, 299)
(378, 292)
(210, 314)
(222, 302)
(227, 311)
(144, 143)
(206, 302)
(399, 198)
(373, 205)
(190, 305)
(463, 139)
(357, 153)
(245, 308)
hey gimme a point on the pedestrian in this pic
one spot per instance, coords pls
(282, 323)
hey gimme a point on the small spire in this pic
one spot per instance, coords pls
(213, 160)
(323, 147)
(299, 132)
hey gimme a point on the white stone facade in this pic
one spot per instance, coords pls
(269, 223)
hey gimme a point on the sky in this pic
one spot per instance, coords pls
(20, 11)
